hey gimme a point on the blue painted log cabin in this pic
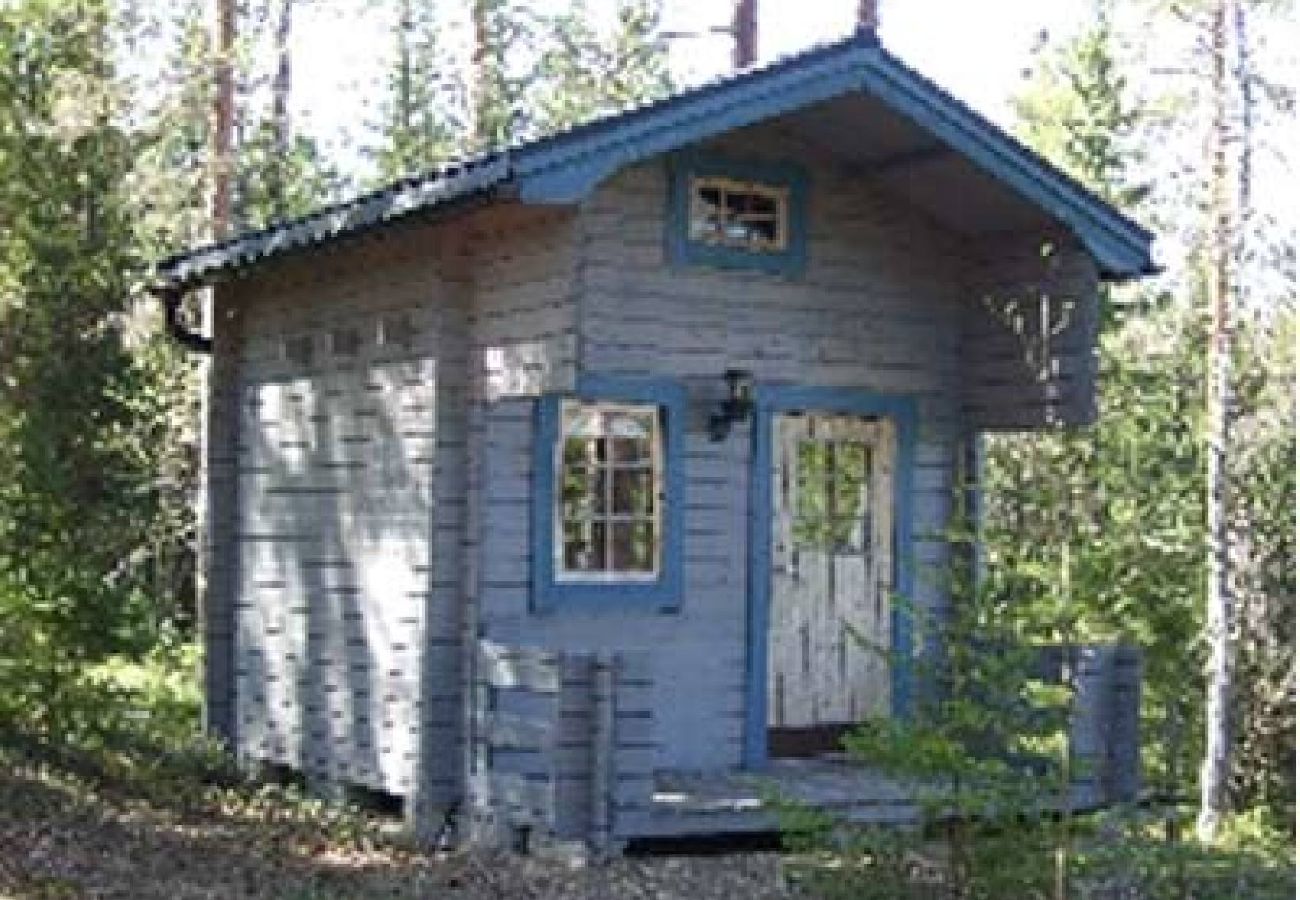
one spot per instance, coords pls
(542, 488)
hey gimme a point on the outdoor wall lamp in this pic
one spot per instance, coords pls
(736, 406)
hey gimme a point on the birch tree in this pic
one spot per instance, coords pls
(1221, 284)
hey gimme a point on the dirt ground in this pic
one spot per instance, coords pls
(64, 837)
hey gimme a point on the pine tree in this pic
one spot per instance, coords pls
(419, 127)
(585, 73)
(1220, 275)
(1123, 499)
(504, 34)
(82, 416)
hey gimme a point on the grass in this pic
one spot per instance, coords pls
(114, 795)
(1117, 855)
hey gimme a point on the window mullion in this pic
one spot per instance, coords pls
(609, 512)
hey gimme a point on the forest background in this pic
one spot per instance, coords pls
(1169, 524)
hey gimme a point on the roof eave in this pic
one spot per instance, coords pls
(566, 168)
(484, 180)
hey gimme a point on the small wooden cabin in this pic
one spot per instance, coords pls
(546, 489)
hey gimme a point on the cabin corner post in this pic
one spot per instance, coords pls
(217, 521)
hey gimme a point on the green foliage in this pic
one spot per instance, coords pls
(1077, 113)
(534, 72)
(506, 33)
(1126, 855)
(587, 74)
(274, 185)
(1126, 499)
(1262, 476)
(419, 124)
(984, 751)
(86, 520)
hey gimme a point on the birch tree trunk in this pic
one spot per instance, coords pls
(1215, 767)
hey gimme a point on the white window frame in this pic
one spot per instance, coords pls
(564, 575)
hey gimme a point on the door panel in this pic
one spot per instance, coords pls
(832, 562)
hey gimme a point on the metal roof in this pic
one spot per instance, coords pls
(861, 102)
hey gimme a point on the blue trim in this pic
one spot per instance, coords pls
(681, 250)
(773, 399)
(565, 169)
(1120, 246)
(570, 169)
(663, 595)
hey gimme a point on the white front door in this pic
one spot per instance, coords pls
(829, 623)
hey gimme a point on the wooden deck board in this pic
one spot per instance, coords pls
(715, 803)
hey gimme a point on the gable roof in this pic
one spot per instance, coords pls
(926, 145)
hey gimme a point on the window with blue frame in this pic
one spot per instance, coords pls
(737, 214)
(607, 486)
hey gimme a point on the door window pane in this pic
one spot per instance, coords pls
(833, 496)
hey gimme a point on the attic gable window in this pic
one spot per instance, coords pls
(608, 483)
(745, 215)
(736, 214)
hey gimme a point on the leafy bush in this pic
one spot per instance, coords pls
(121, 720)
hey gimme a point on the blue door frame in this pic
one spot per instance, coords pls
(771, 400)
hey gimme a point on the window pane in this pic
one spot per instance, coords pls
(849, 487)
(851, 457)
(584, 547)
(607, 481)
(706, 214)
(573, 494)
(629, 425)
(832, 505)
(738, 214)
(631, 547)
(762, 206)
(575, 451)
(600, 492)
(625, 451)
(581, 420)
(633, 492)
(583, 494)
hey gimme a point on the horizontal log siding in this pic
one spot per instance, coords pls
(521, 327)
(1029, 333)
(877, 309)
(350, 513)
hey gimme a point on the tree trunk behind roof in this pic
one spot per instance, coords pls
(744, 30)
(478, 77)
(223, 118)
(404, 29)
(280, 90)
(869, 14)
